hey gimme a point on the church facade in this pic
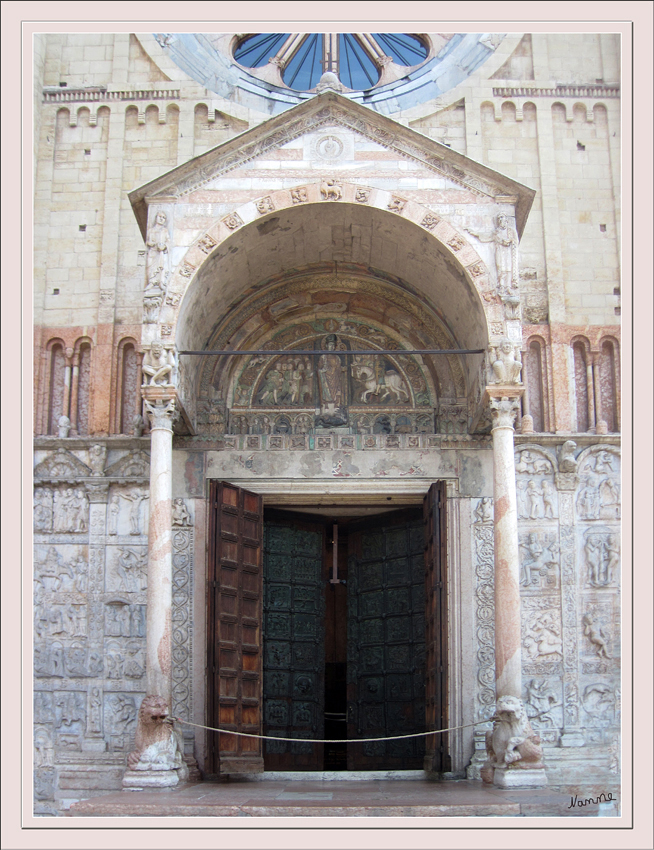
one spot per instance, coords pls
(327, 404)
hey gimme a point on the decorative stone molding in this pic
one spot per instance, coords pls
(183, 552)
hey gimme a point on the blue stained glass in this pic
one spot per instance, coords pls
(356, 68)
(254, 52)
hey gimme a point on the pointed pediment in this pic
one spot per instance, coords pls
(134, 465)
(62, 464)
(327, 110)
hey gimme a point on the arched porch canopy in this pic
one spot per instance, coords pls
(425, 250)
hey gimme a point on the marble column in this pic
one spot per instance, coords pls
(504, 403)
(160, 408)
(168, 768)
(518, 764)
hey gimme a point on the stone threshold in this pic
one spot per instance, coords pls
(303, 797)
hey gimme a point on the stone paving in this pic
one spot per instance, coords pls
(339, 798)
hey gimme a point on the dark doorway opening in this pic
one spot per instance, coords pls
(302, 632)
(344, 639)
(335, 757)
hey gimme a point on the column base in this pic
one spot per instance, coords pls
(531, 777)
(140, 780)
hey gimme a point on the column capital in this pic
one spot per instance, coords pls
(503, 401)
(97, 491)
(160, 406)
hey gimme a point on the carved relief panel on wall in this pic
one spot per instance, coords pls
(331, 388)
(538, 513)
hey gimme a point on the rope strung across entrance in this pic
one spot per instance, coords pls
(346, 740)
(322, 740)
(296, 351)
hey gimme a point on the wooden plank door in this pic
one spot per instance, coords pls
(294, 641)
(386, 641)
(235, 578)
(436, 697)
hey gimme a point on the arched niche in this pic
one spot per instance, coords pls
(419, 256)
(361, 310)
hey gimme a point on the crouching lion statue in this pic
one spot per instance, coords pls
(158, 745)
(512, 743)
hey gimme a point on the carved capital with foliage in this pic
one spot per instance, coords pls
(504, 405)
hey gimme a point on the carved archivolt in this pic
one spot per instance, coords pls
(452, 243)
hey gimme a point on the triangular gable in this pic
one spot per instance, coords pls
(329, 109)
(62, 464)
(135, 465)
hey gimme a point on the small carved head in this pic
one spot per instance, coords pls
(153, 711)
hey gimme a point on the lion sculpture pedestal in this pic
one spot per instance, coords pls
(157, 760)
(515, 756)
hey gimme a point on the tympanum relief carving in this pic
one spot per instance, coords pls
(332, 388)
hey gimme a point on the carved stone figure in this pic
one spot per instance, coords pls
(596, 636)
(135, 496)
(94, 721)
(123, 714)
(158, 745)
(506, 253)
(63, 426)
(79, 507)
(609, 494)
(543, 637)
(532, 463)
(534, 497)
(114, 513)
(541, 699)
(567, 460)
(484, 510)
(134, 666)
(272, 388)
(299, 196)
(612, 560)
(70, 511)
(331, 190)
(603, 462)
(157, 242)
(332, 386)
(379, 381)
(114, 661)
(137, 425)
(506, 363)
(97, 457)
(129, 570)
(42, 509)
(512, 743)
(594, 550)
(158, 366)
(43, 749)
(181, 516)
(549, 499)
(588, 500)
